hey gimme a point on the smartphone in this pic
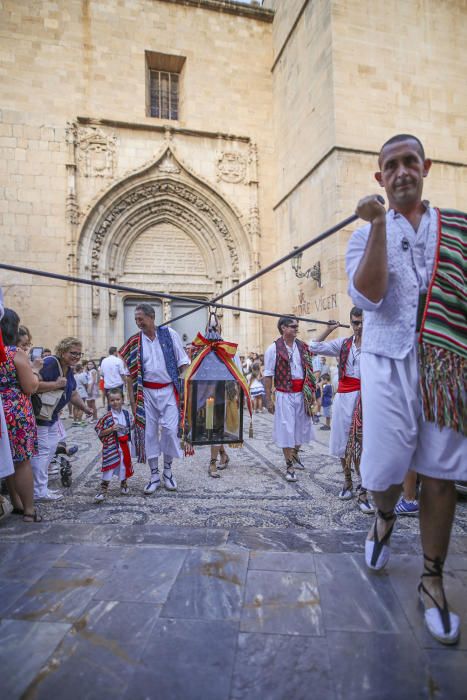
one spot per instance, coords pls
(36, 352)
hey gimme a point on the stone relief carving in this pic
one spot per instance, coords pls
(231, 167)
(72, 209)
(152, 193)
(96, 152)
(253, 222)
(168, 164)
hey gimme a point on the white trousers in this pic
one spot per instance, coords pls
(292, 426)
(6, 460)
(119, 471)
(342, 411)
(162, 417)
(396, 438)
(48, 437)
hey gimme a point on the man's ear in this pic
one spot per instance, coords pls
(379, 178)
(427, 163)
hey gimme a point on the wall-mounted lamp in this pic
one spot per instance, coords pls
(313, 272)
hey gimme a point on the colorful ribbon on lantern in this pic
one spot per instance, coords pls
(225, 351)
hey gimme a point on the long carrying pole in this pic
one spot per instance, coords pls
(296, 251)
(119, 287)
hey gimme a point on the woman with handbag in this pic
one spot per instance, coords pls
(18, 380)
(56, 389)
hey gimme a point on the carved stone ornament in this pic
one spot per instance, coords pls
(231, 167)
(168, 164)
(190, 209)
(96, 152)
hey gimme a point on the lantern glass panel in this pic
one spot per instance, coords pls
(215, 405)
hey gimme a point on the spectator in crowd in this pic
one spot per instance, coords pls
(101, 385)
(6, 461)
(82, 380)
(56, 374)
(326, 400)
(256, 385)
(24, 340)
(18, 380)
(93, 387)
(113, 371)
(47, 353)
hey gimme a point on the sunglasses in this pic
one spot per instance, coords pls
(75, 354)
(356, 323)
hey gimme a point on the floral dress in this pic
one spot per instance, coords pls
(18, 411)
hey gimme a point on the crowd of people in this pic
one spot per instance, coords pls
(395, 418)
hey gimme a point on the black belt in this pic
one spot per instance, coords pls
(420, 311)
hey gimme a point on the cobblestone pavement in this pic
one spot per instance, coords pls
(241, 588)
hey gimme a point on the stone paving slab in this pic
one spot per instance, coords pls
(242, 588)
(228, 623)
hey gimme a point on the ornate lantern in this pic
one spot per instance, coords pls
(214, 393)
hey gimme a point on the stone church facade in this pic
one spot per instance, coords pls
(177, 146)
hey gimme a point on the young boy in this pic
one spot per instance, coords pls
(326, 400)
(114, 431)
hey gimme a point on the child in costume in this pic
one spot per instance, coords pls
(114, 431)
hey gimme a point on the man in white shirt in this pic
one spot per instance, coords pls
(155, 358)
(113, 371)
(391, 263)
(347, 350)
(286, 360)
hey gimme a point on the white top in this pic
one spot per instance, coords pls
(389, 327)
(332, 348)
(154, 368)
(296, 368)
(113, 371)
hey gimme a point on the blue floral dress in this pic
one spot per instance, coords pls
(18, 411)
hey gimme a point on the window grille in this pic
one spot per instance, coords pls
(163, 92)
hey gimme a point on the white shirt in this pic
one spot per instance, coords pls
(154, 367)
(395, 223)
(113, 371)
(296, 368)
(332, 348)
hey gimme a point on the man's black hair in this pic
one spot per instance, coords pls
(112, 350)
(147, 309)
(355, 311)
(9, 325)
(285, 321)
(402, 137)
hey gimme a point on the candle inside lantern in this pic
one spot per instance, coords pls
(210, 413)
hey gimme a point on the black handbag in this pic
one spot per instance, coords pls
(36, 404)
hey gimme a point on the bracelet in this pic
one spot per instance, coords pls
(34, 371)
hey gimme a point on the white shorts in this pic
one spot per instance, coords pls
(396, 437)
(343, 408)
(292, 426)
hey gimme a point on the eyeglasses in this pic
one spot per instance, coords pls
(356, 323)
(75, 354)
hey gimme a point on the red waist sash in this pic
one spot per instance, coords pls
(155, 385)
(297, 386)
(348, 384)
(123, 442)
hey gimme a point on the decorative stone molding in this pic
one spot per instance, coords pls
(168, 164)
(96, 301)
(96, 152)
(253, 222)
(231, 166)
(72, 209)
(252, 162)
(175, 199)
